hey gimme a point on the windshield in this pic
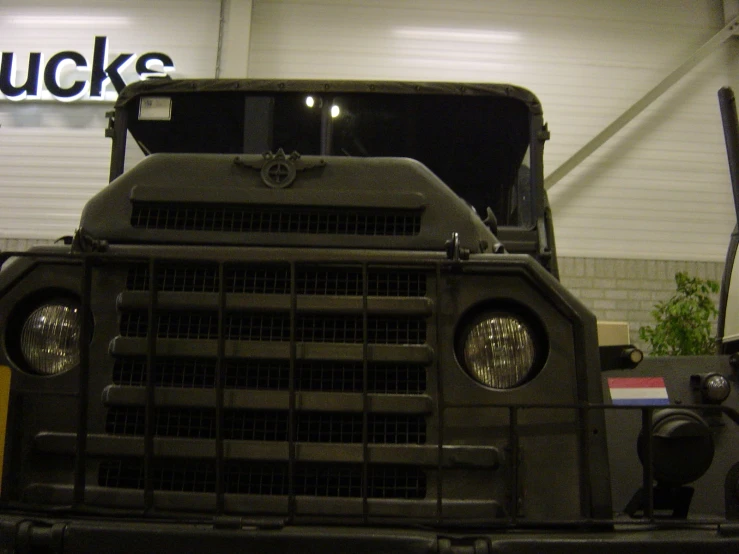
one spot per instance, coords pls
(476, 144)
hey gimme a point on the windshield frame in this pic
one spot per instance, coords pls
(158, 87)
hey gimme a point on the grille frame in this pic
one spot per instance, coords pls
(101, 449)
(398, 283)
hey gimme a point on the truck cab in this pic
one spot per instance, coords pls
(323, 315)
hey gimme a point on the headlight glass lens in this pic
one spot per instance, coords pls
(499, 351)
(50, 339)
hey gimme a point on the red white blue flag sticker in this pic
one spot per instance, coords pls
(638, 391)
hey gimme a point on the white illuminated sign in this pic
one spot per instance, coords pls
(67, 76)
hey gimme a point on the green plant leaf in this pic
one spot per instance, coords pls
(683, 323)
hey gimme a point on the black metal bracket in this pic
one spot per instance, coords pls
(84, 242)
(674, 502)
(110, 129)
(454, 250)
(731, 493)
(491, 221)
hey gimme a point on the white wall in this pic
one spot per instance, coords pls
(658, 190)
(53, 155)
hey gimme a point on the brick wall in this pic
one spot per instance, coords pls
(20, 245)
(627, 290)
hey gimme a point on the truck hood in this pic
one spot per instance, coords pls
(222, 199)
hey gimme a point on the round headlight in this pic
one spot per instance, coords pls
(499, 351)
(50, 339)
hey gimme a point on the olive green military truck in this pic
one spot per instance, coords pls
(326, 317)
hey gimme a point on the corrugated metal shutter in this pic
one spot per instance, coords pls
(659, 189)
(54, 156)
(49, 173)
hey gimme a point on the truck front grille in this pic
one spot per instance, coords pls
(249, 279)
(259, 478)
(328, 376)
(269, 425)
(269, 219)
(273, 379)
(276, 327)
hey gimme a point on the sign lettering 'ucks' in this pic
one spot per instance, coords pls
(101, 73)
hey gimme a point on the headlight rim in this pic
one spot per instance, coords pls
(492, 308)
(18, 317)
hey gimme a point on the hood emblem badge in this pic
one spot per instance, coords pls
(278, 170)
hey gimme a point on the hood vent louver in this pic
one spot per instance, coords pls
(270, 219)
(199, 199)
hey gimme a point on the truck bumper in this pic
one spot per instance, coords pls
(19, 534)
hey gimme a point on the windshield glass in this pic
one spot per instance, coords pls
(476, 144)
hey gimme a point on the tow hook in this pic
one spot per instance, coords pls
(30, 536)
(466, 546)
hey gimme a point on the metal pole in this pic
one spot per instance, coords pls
(640, 105)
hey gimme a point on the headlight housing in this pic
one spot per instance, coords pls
(50, 338)
(501, 350)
